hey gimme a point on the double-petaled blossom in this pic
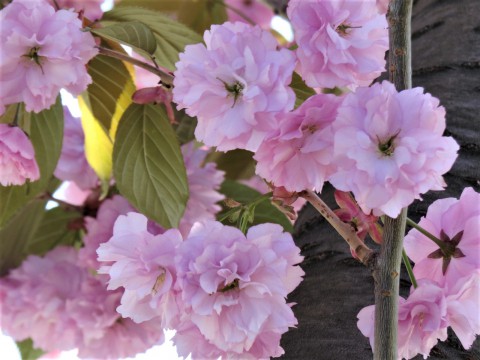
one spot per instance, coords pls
(17, 157)
(234, 84)
(389, 148)
(456, 223)
(73, 165)
(234, 288)
(41, 52)
(143, 264)
(422, 321)
(298, 156)
(340, 43)
(252, 10)
(61, 305)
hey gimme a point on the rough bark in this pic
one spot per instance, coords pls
(446, 62)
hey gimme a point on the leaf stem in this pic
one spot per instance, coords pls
(166, 78)
(408, 266)
(346, 231)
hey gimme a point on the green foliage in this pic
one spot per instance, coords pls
(148, 164)
(198, 15)
(171, 36)
(102, 105)
(27, 351)
(302, 91)
(16, 235)
(134, 34)
(56, 228)
(262, 212)
(237, 164)
(46, 133)
(185, 127)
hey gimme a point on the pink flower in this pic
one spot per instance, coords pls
(457, 224)
(143, 264)
(299, 154)
(156, 95)
(204, 182)
(422, 320)
(463, 309)
(100, 229)
(258, 12)
(340, 43)
(60, 305)
(389, 148)
(92, 9)
(73, 165)
(41, 51)
(234, 84)
(17, 157)
(234, 287)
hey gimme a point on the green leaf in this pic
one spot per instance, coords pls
(55, 229)
(171, 36)
(185, 127)
(27, 351)
(16, 235)
(46, 133)
(148, 164)
(302, 91)
(134, 34)
(200, 15)
(265, 212)
(102, 106)
(237, 164)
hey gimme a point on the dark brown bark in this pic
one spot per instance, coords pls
(446, 62)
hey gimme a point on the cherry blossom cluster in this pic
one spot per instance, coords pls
(384, 146)
(222, 291)
(448, 292)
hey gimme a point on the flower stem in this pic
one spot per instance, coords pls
(167, 78)
(346, 231)
(417, 227)
(408, 266)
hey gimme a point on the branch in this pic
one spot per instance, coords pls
(167, 79)
(364, 253)
(387, 271)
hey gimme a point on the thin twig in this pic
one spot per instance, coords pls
(346, 231)
(167, 79)
(408, 266)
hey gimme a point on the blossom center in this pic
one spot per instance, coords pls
(344, 29)
(33, 55)
(234, 89)
(159, 282)
(309, 128)
(233, 285)
(387, 147)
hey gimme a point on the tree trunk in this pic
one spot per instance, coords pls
(446, 62)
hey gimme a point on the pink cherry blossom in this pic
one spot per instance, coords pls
(204, 182)
(143, 264)
(422, 321)
(73, 165)
(100, 229)
(61, 306)
(156, 95)
(389, 148)
(448, 219)
(41, 52)
(234, 84)
(92, 9)
(17, 157)
(340, 43)
(234, 287)
(299, 154)
(258, 12)
(463, 310)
